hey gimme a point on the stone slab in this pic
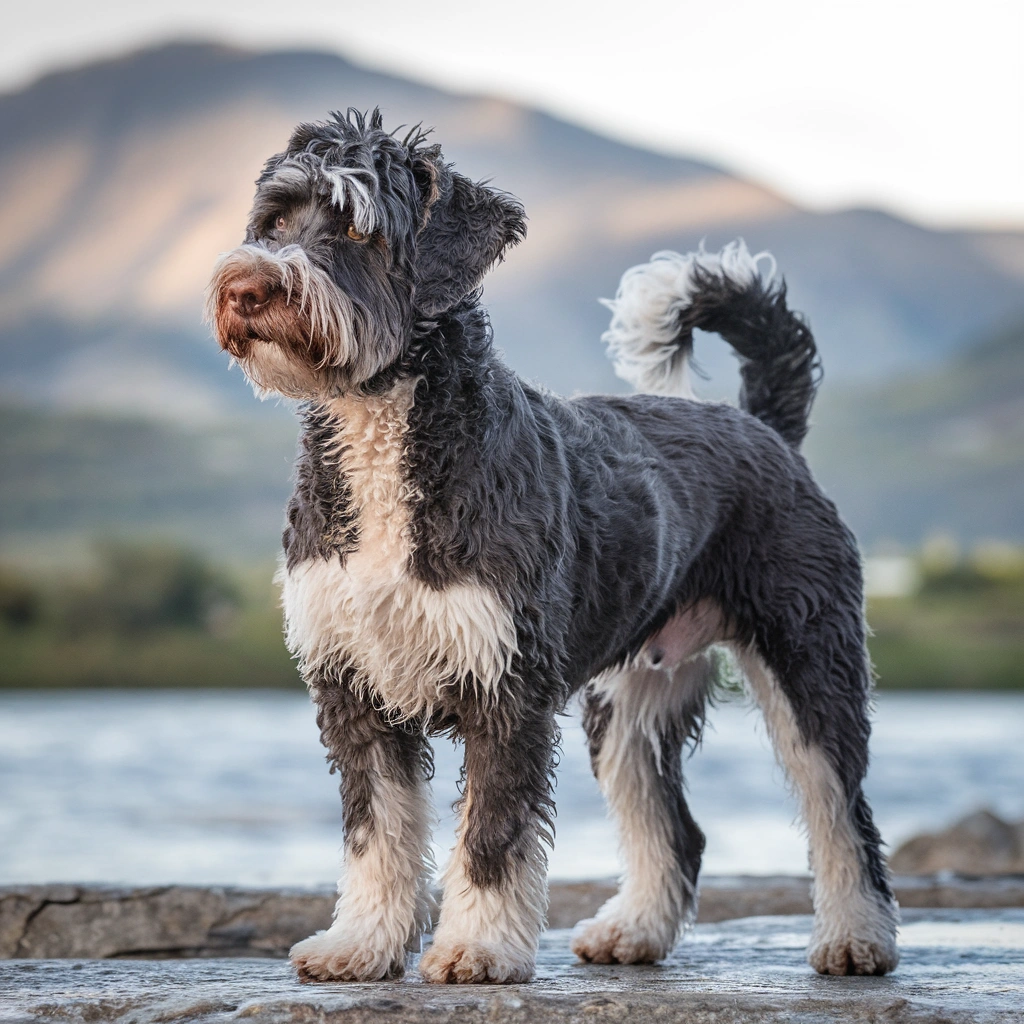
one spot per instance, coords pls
(77, 921)
(957, 966)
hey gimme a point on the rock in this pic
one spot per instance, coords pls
(722, 897)
(573, 901)
(99, 921)
(950, 891)
(957, 967)
(980, 844)
(71, 921)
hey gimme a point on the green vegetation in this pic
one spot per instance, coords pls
(962, 629)
(156, 615)
(145, 616)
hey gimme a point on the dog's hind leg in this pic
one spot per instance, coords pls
(815, 701)
(495, 886)
(637, 722)
(384, 902)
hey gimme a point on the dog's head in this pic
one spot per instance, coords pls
(353, 235)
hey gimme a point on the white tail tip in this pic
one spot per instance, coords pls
(642, 337)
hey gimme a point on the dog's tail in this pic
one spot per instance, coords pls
(658, 305)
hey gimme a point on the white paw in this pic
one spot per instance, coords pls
(447, 963)
(857, 936)
(610, 941)
(853, 955)
(340, 955)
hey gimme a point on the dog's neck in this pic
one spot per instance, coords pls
(369, 457)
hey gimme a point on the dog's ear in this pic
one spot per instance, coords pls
(467, 228)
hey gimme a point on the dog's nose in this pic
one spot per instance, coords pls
(246, 297)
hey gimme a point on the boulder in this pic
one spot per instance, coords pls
(980, 844)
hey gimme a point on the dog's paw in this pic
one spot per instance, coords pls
(841, 956)
(335, 955)
(609, 941)
(472, 963)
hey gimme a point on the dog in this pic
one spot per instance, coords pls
(465, 551)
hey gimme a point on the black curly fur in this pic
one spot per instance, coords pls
(779, 365)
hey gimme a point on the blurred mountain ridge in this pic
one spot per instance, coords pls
(120, 182)
(123, 179)
(936, 451)
(942, 450)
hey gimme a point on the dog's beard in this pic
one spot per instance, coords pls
(310, 339)
(272, 370)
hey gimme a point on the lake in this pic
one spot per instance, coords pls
(232, 788)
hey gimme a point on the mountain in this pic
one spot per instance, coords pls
(122, 180)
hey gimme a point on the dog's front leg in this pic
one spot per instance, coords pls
(384, 902)
(495, 887)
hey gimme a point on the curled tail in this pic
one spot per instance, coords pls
(658, 305)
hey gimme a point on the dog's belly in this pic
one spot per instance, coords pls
(685, 636)
(403, 642)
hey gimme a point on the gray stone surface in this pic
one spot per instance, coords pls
(55, 921)
(957, 966)
(187, 921)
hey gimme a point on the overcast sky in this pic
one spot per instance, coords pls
(913, 105)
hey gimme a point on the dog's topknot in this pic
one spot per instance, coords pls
(461, 227)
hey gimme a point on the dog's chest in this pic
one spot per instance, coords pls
(366, 613)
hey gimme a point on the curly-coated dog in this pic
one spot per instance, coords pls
(464, 551)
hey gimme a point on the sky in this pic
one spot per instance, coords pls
(915, 107)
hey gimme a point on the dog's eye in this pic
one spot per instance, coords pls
(355, 234)
(280, 224)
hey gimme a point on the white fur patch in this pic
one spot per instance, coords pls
(488, 935)
(850, 920)
(646, 699)
(384, 902)
(352, 186)
(404, 640)
(272, 371)
(642, 337)
(642, 921)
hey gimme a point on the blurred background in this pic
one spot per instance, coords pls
(876, 149)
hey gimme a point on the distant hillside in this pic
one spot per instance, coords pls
(939, 450)
(943, 449)
(120, 182)
(68, 478)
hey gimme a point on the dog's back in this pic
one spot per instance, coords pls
(672, 502)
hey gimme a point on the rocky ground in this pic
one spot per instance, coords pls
(92, 954)
(957, 966)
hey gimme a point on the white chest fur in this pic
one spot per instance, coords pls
(403, 640)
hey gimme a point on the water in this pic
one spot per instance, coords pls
(231, 788)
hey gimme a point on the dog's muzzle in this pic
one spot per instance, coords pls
(246, 298)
